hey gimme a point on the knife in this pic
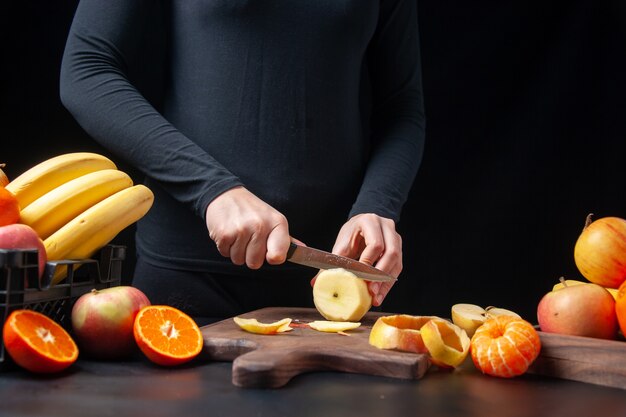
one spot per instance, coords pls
(315, 258)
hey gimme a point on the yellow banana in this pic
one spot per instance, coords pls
(57, 207)
(49, 174)
(91, 230)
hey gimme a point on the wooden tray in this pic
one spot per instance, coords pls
(585, 359)
(270, 361)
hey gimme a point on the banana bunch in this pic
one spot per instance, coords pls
(77, 203)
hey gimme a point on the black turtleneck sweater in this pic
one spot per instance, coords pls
(315, 106)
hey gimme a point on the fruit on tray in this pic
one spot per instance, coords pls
(470, 316)
(333, 326)
(399, 332)
(447, 343)
(600, 251)
(55, 171)
(505, 346)
(21, 236)
(620, 307)
(37, 343)
(339, 295)
(51, 211)
(102, 321)
(9, 207)
(166, 335)
(91, 230)
(252, 325)
(4, 180)
(570, 282)
(579, 310)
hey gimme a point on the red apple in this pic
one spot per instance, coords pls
(21, 236)
(102, 321)
(579, 310)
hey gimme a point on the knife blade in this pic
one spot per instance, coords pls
(316, 258)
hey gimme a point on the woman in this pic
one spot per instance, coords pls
(277, 120)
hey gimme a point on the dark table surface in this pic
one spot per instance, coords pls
(138, 388)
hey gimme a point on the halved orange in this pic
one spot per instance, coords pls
(38, 343)
(505, 346)
(166, 335)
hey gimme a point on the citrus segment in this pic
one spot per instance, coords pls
(38, 343)
(447, 343)
(255, 326)
(333, 326)
(166, 335)
(505, 346)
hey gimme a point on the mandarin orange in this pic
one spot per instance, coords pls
(9, 207)
(505, 346)
(38, 343)
(166, 335)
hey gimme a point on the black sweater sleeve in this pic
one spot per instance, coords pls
(95, 88)
(398, 119)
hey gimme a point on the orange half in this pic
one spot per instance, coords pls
(166, 335)
(37, 343)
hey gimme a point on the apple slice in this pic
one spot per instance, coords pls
(339, 295)
(255, 326)
(333, 326)
(399, 332)
(447, 343)
(471, 316)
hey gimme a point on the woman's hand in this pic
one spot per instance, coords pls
(372, 239)
(246, 229)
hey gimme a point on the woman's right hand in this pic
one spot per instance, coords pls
(246, 229)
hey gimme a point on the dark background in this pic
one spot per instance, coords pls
(526, 122)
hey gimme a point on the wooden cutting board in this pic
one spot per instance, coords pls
(270, 361)
(585, 359)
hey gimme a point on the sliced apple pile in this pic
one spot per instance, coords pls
(447, 343)
(471, 316)
(339, 295)
(333, 326)
(255, 326)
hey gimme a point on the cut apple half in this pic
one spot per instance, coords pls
(339, 295)
(447, 343)
(255, 326)
(333, 326)
(399, 332)
(471, 316)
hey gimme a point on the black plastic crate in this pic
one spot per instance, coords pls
(20, 287)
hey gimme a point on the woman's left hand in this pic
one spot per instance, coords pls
(372, 239)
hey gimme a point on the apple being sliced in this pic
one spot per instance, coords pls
(471, 316)
(339, 295)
